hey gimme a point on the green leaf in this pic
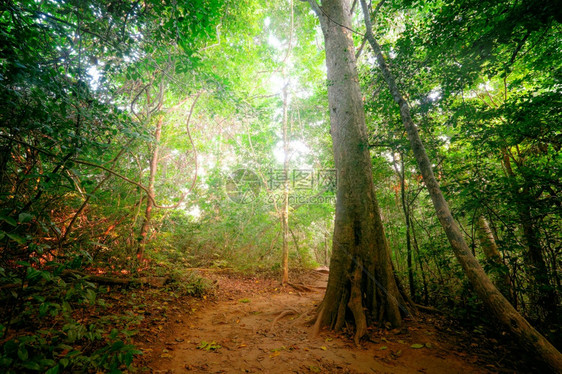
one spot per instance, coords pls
(22, 353)
(32, 365)
(16, 238)
(9, 220)
(417, 346)
(53, 370)
(25, 217)
(117, 345)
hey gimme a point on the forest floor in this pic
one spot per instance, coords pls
(253, 325)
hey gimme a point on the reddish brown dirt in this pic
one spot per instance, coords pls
(253, 325)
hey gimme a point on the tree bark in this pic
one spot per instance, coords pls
(361, 282)
(490, 295)
(492, 253)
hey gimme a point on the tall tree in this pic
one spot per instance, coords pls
(361, 276)
(490, 295)
(285, 208)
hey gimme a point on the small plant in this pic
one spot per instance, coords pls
(212, 346)
(191, 284)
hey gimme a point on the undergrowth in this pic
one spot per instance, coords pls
(53, 320)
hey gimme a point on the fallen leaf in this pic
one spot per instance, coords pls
(416, 346)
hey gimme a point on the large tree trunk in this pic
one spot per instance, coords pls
(361, 278)
(490, 295)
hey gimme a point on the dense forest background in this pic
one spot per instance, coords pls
(145, 138)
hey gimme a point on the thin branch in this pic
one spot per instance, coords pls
(315, 7)
(182, 198)
(53, 18)
(81, 162)
(218, 37)
(360, 50)
(377, 8)
(87, 199)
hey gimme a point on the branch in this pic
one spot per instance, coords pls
(82, 162)
(87, 199)
(377, 8)
(182, 198)
(360, 50)
(315, 7)
(53, 18)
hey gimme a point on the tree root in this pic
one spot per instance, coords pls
(281, 315)
(300, 287)
(429, 309)
(318, 324)
(355, 304)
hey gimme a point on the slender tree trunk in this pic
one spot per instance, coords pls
(420, 262)
(361, 280)
(406, 210)
(487, 240)
(297, 248)
(150, 200)
(326, 262)
(285, 209)
(543, 295)
(492, 253)
(485, 289)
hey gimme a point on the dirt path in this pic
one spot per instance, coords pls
(253, 326)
